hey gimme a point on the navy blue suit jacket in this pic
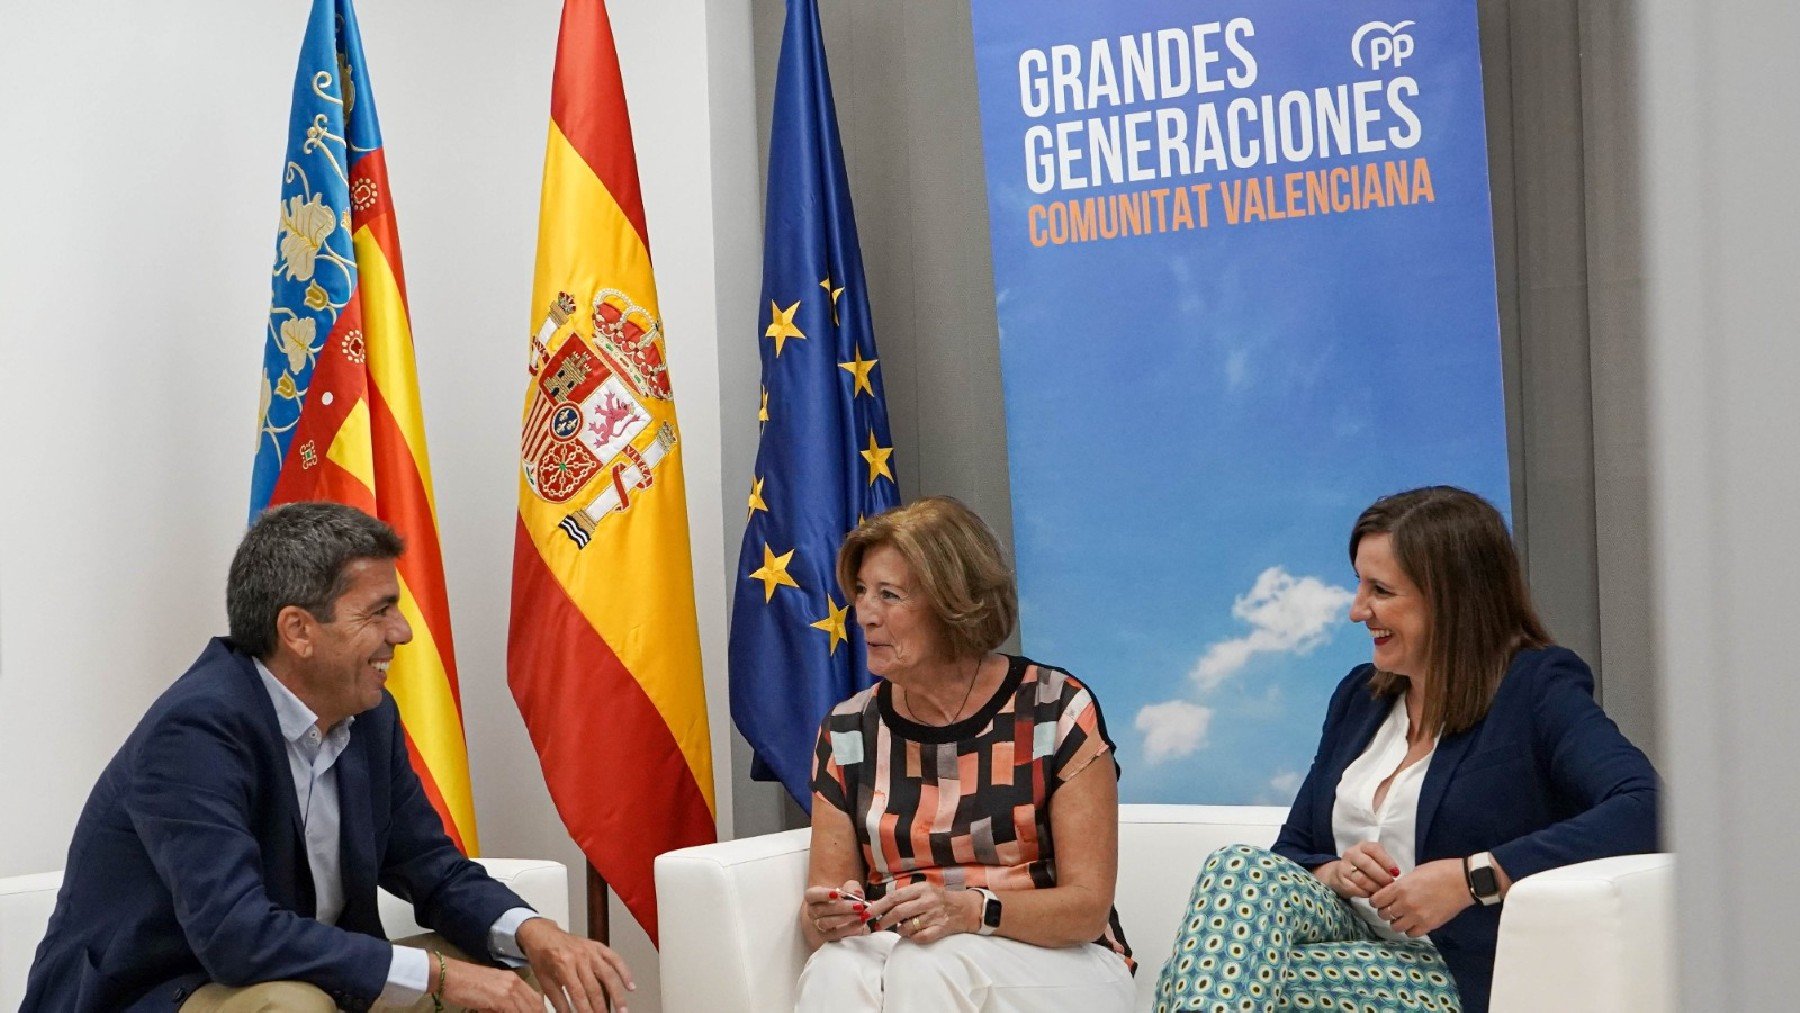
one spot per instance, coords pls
(1545, 780)
(189, 862)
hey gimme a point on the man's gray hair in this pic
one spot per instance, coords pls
(298, 554)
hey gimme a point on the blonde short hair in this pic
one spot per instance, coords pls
(957, 561)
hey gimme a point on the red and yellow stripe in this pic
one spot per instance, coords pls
(368, 446)
(604, 650)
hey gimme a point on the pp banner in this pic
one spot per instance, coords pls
(1243, 257)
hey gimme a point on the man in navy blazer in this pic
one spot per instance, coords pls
(239, 835)
(1544, 780)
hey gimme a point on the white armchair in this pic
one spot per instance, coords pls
(1593, 937)
(1597, 937)
(26, 903)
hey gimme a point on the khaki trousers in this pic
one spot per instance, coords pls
(299, 997)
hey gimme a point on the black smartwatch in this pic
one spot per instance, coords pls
(990, 911)
(1484, 882)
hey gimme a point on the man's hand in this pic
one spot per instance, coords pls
(486, 988)
(1424, 899)
(577, 975)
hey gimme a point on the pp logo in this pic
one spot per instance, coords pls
(1382, 43)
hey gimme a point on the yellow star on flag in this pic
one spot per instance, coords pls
(833, 623)
(762, 413)
(781, 325)
(834, 293)
(877, 456)
(860, 368)
(774, 571)
(756, 500)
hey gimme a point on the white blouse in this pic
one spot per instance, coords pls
(1354, 818)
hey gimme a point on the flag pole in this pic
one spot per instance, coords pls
(599, 912)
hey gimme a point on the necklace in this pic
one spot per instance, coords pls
(910, 713)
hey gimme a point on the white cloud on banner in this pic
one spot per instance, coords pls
(1172, 729)
(1283, 787)
(1287, 614)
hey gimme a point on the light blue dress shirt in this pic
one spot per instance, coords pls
(312, 758)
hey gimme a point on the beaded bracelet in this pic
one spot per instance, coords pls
(437, 995)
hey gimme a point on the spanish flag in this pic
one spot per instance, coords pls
(340, 416)
(603, 654)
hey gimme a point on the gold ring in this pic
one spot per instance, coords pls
(917, 922)
(819, 925)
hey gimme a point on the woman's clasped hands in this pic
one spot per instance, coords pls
(921, 912)
(838, 912)
(1415, 903)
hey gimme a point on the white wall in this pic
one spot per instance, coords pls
(141, 153)
(1722, 232)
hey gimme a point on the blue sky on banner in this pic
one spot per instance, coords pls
(1195, 416)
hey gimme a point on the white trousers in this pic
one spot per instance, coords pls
(963, 974)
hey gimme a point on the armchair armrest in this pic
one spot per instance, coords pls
(543, 885)
(730, 925)
(1596, 937)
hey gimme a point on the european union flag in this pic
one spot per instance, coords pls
(823, 460)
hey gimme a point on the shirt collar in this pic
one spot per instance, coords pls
(292, 714)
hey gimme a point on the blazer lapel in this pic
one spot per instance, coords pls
(257, 696)
(1444, 761)
(1363, 732)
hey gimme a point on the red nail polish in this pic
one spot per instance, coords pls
(1393, 872)
(833, 895)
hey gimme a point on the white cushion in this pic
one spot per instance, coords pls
(1596, 937)
(730, 912)
(729, 920)
(1161, 849)
(25, 906)
(544, 886)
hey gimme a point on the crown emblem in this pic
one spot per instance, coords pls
(629, 338)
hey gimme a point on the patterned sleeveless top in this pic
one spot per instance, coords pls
(968, 804)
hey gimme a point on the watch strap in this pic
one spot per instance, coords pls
(990, 911)
(1483, 882)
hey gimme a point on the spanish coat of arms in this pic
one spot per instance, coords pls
(588, 410)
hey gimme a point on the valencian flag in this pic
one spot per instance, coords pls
(604, 650)
(340, 416)
(823, 461)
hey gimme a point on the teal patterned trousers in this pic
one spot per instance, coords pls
(1264, 935)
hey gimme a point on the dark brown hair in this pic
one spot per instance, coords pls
(957, 561)
(1454, 545)
(298, 554)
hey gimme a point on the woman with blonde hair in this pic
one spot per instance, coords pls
(1469, 754)
(965, 807)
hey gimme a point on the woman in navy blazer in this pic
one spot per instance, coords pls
(1498, 762)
